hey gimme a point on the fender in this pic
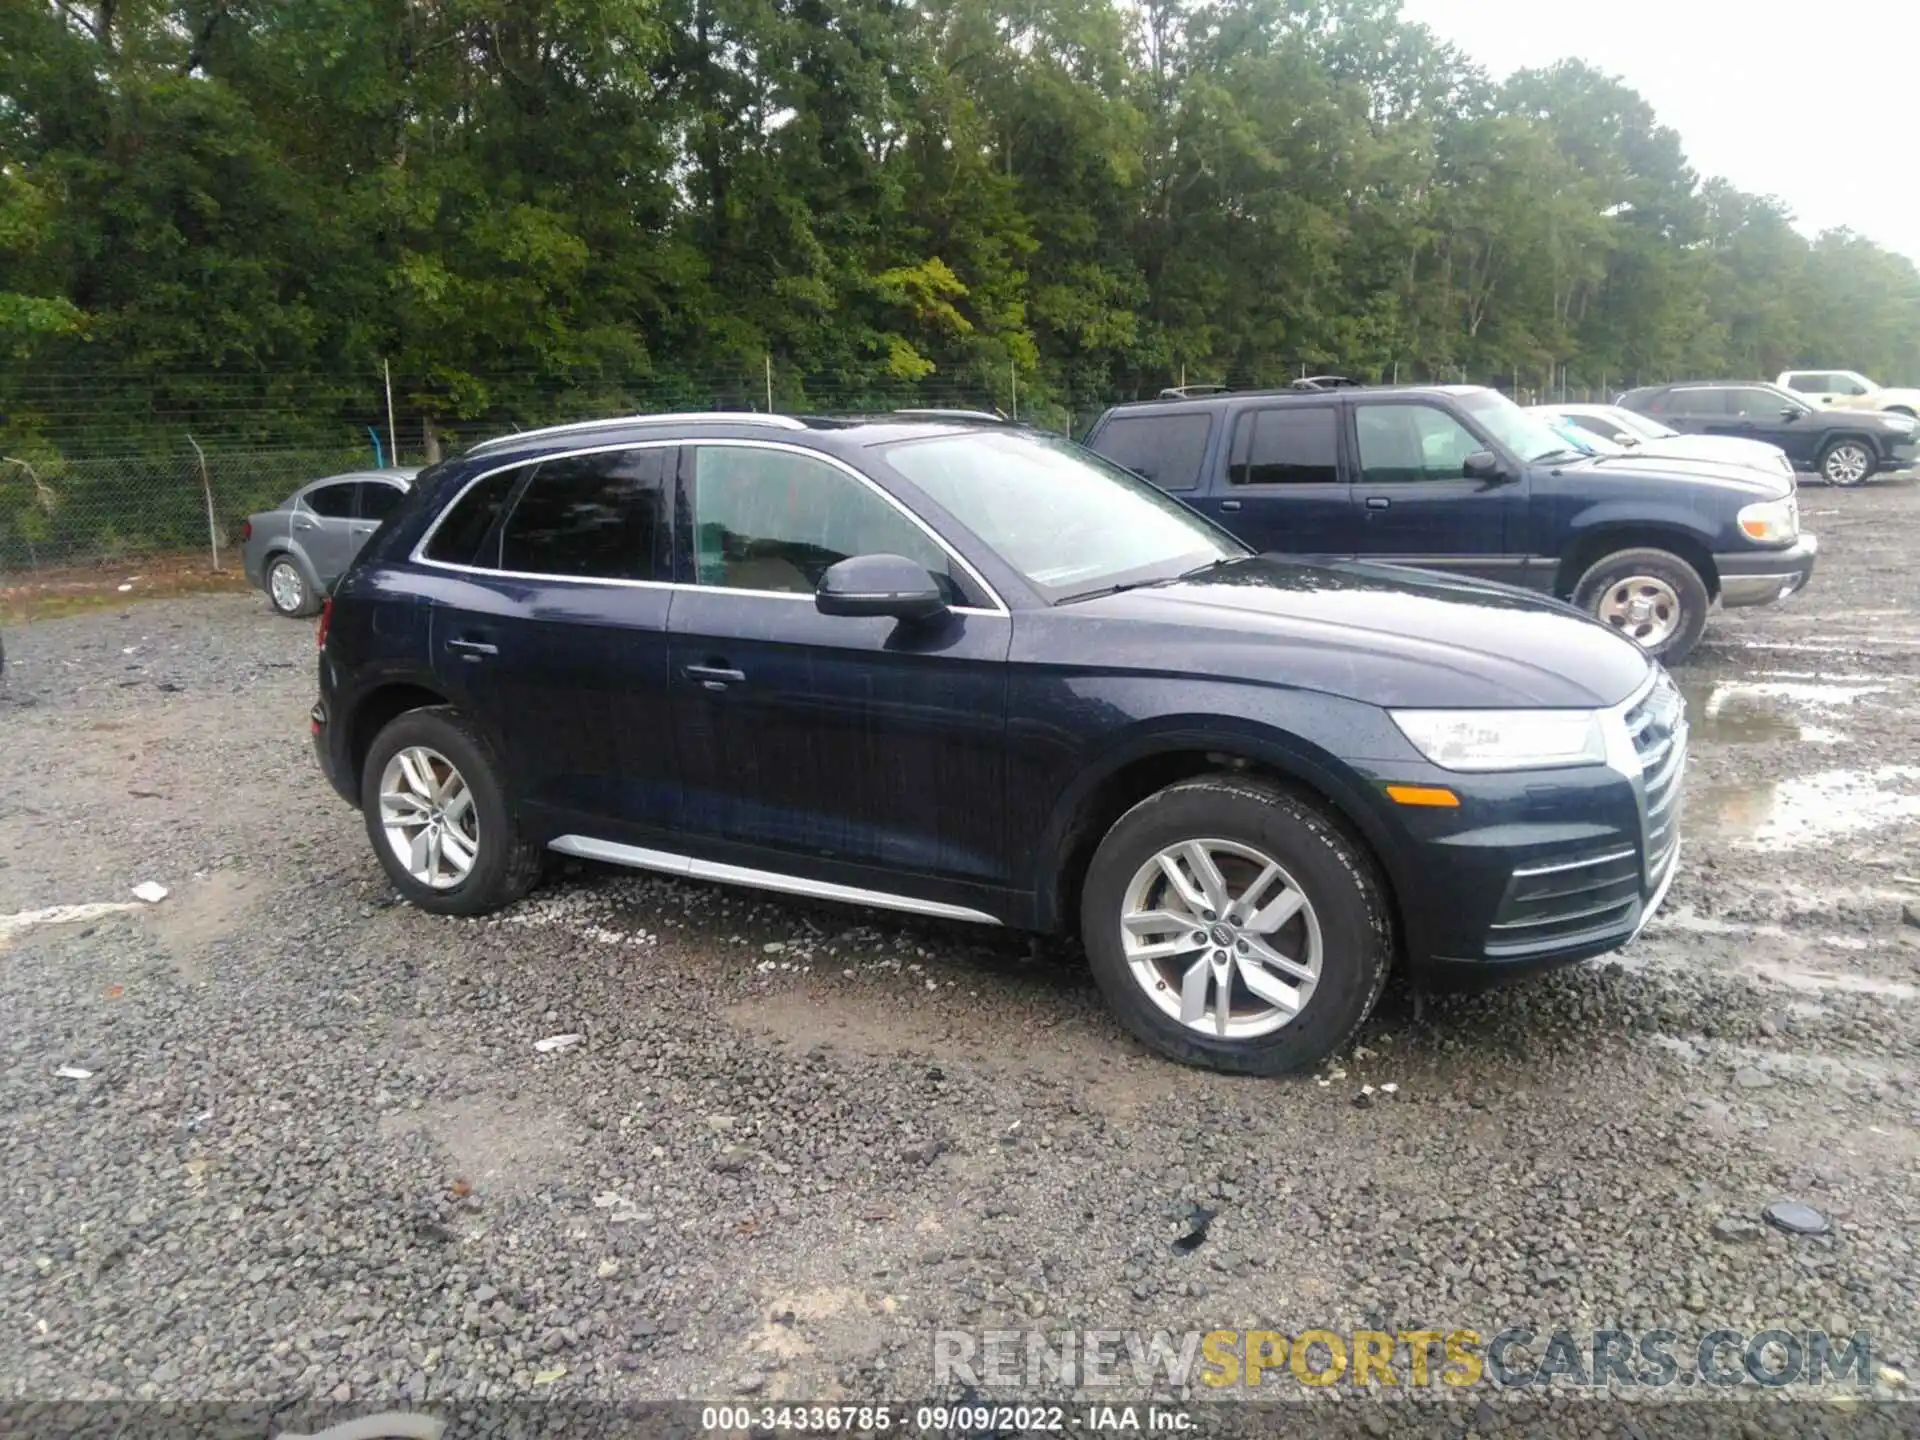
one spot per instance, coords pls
(1284, 753)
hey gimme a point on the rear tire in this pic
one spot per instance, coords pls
(290, 590)
(1652, 597)
(431, 779)
(1341, 929)
(1846, 463)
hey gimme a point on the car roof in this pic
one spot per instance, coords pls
(1290, 395)
(397, 475)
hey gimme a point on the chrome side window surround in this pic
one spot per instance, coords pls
(418, 555)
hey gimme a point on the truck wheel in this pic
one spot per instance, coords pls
(1846, 462)
(1653, 597)
(1233, 926)
(438, 817)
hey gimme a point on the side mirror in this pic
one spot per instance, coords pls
(1484, 465)
(890, 585)
(1789, 413)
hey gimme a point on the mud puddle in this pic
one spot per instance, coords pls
(1808, 810)
(1758, 712)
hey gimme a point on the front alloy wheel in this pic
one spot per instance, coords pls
(1644, 608)
(1847, 463)
(287, 587)
(1221, 938)
(1233, 924)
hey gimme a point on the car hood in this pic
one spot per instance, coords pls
(1376, 633)
(1698, 467)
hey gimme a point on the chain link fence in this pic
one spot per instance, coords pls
(179, 476)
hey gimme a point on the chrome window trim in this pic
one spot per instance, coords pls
(672, 862)
(677, 417)
(418, 555)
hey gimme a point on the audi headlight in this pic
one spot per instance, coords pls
(1771, 522)
(1504, 739)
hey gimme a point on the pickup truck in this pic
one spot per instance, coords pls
(1850, 390)
(1459, 479)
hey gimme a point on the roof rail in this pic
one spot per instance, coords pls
(1191, 392)
(993, 416)
(717, 417)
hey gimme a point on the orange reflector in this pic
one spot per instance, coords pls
(1437, 795)
(1756, 528)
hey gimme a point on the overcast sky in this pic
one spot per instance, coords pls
(1816, 103)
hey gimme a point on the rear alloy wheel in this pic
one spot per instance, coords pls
(438, 816)
(287, 588)
(1233, 925)
(1653, 597)
(1846, 463)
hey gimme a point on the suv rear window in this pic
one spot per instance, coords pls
(1164, 449)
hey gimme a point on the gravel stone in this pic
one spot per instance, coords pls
(253, 1198)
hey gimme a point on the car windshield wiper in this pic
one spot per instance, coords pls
(1563, 450)
(1114, 589)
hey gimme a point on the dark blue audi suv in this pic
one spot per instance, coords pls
(958, 668)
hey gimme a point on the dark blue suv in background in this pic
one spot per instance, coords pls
(963, 670)
(1462, 480)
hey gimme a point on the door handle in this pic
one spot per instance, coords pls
(473, 649)
(300, 522)
(1379, 502)
(714, 677)
(1229, 504)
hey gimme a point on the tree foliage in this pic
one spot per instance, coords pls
(509, 200)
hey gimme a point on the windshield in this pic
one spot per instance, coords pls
(1585, 441)
(1641, 424)
(1528, 436)
(1071, 523)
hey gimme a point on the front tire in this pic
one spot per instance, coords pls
(1846, 463)
(1653, 597)
(290, 590)
(438, 817)
(1234, 926)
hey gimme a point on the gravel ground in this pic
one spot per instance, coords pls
(320, 1159)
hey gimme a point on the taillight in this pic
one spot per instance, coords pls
(246, 531)
(326, 619)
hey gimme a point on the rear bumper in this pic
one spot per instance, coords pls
(1759, 577)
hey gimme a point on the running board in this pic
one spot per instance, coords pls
(668, 863)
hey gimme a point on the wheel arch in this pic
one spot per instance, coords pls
(380, 707)
(1127, 776)
(1595, 544)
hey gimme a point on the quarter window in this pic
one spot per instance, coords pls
(1292, 445)
(775, 521)
(599, 517)
(469, 525)
(1164, 449)
(1402, 443)
(335, 502)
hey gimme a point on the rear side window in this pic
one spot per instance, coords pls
(461, 531)
(600, 517)
(1294, 445)
(1164, 449)
(1698, 401)
(378, 499)
(333, 501)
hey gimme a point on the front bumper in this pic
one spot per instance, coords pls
(1543, 868)
(1760, 577)
(1899, 454)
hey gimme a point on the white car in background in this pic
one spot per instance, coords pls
(1849, 390)
(1631, 431)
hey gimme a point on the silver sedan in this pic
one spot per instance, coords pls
(296, 551)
